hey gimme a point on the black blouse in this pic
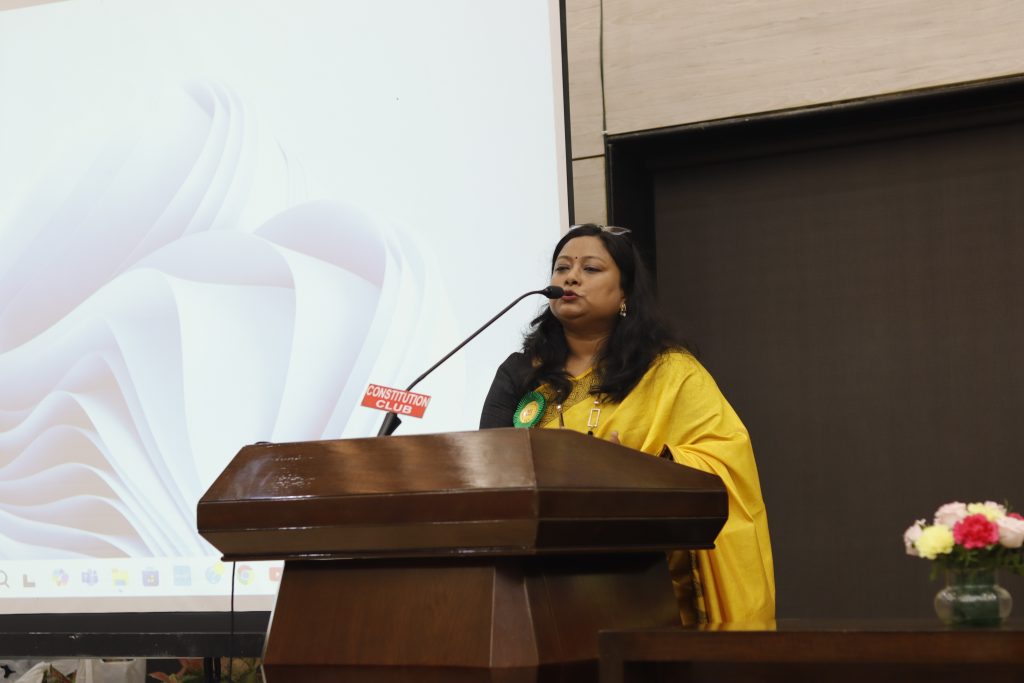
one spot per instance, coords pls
(506, 391)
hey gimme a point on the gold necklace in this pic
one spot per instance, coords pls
(592, 418)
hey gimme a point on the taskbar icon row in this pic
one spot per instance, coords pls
(135, 575)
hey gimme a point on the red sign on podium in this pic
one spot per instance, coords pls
(395, 401)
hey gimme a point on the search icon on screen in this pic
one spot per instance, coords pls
(3, 579)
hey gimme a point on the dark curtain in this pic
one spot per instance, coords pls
(860, 300)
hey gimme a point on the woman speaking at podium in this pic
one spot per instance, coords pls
(600, 360)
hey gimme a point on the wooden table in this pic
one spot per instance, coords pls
(821, 651)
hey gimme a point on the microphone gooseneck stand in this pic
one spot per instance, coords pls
(391, 420)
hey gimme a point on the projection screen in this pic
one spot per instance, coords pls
(219, 221)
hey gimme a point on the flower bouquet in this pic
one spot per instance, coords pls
(971, 542)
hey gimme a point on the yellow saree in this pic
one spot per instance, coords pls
(678, 405)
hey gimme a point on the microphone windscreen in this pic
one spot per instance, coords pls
(553, 292)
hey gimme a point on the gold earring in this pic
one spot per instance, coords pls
(622, 310)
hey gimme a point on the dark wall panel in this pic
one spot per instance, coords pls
(862, 306)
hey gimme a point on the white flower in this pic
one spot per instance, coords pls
(911, 535)
(1011, 532)
(950, 513)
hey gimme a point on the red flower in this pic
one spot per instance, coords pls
(975, 531)
(1015, 515)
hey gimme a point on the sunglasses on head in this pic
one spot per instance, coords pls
(610, 229)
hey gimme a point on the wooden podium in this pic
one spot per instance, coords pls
(479, 556)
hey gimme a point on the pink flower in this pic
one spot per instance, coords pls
(975, 531)
(950, 513)
(1011, 530)
(1015, 515)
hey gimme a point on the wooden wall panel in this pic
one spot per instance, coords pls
(582, 28)
(671, 62)
(589, 191)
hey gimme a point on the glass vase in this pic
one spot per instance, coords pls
(973, 598)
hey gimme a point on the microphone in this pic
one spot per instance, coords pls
(391, 420)
(551, 292)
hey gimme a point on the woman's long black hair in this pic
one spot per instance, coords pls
(635, 342)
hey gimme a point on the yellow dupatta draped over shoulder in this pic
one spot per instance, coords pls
(677, 404)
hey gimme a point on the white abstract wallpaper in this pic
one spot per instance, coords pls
(218, 223)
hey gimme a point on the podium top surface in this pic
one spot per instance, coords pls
(502, 491)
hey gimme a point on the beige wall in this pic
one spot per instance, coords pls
(673, 62)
